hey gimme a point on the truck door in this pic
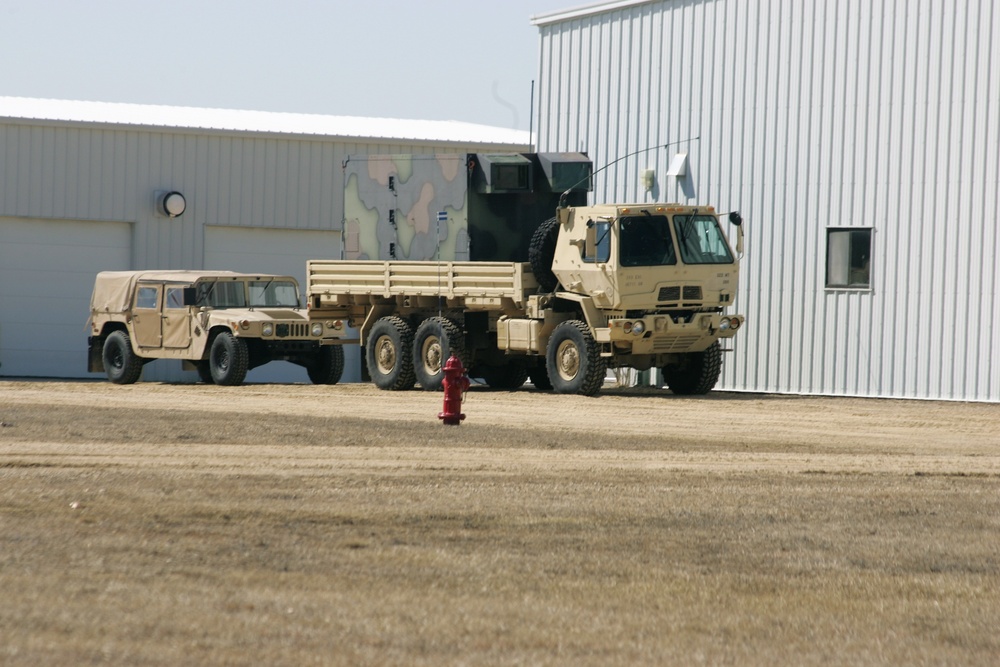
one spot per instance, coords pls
(176, 319)
(146, 325)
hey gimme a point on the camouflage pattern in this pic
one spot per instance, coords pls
(452, 207)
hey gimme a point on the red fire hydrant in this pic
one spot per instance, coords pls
(455, 383)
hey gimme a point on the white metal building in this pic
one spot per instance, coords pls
(861, 141)
(79, 183)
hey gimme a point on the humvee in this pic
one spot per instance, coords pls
(219, 323)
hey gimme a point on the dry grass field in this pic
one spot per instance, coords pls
(160, 524)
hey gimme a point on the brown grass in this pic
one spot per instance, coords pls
(167, 524)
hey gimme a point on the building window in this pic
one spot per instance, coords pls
(848, 258)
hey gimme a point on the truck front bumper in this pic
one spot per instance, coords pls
(659, 334)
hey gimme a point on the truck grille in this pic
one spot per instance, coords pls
(675, 293)
(678, 344)
(297, 330)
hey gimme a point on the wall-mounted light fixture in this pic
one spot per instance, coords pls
(171, 203)
(678, 165)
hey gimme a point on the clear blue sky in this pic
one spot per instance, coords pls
(424, 59)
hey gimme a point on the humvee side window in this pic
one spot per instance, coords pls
(145, 297)
(175, 297)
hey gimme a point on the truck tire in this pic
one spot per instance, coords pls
(696, 373)
(437, 338)
(539, 377)
(120, 362)
(228, 359)
(328, 365)
(204, 372)
(541, 252)
(507, 377)
(574, 361)
(389, 354)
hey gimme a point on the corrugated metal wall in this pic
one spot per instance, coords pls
(812, 115)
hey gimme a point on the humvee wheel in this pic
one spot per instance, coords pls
(437, 338)
(574, 361)
(697, 372)
(541, 252)
(120, 362)
(228, 359)
(204, 372)
(389, 353)
(328, 365)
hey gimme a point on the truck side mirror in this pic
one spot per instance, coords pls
(735, 218)
(190, 296)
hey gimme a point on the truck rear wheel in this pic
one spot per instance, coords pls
(120, 362)
(696, 373)
(507, 377)
(541, 252)
(539, 377)
(228, 359)
(389, 354)
(328, 365)
(437, 338)
(574, 360)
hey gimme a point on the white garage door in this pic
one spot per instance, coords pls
(282, 251)
(47, 270)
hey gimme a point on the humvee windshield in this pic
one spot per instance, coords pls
(273, 294)
(222, 294)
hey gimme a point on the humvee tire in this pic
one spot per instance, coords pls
(120, 362)
(697, 372)
(328, 366)
(574, 360)
(228, 359)
(389, 354)
(437, 338)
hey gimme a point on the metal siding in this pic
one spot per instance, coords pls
(810, 116)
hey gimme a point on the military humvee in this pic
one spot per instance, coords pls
(219, 323)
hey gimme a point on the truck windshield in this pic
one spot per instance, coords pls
(701, 240)
(645, 241)
(273, 294)
(228, 294)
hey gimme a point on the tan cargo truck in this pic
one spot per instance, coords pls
(219, 323)
(609, 286)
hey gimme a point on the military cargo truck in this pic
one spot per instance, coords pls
(219, 323)
(608, 286)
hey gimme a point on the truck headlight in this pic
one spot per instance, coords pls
(267, 329)
(317, 329)
(724, 324)
(638, 328)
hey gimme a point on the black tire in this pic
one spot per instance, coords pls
(541, 252)
(436, 339)
(120, 362)
(389, 354)
(328, 365)
(574, 361)
(697, 372)
(204, 372)
(228, 359)
(507, 377)
(539, 377)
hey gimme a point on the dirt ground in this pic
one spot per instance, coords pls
(162, 524)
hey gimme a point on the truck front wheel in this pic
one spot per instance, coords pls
(696, 373)
(574, 360)
(437, 338)
(120, 362)
(228, 359)
(389, 354)
(328, 365)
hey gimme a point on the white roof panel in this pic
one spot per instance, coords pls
(146, 115)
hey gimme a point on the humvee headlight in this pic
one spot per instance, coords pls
(267, 329)
(336, 325)
(317, 329)
(244, 324)
(638, 328)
